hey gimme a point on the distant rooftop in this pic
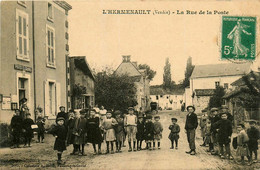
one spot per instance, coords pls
(215, 70)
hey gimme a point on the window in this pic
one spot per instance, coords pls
(50, 12)
(217, 84)
(226, 85)
(52, 98)
(22, 37)
(50, 47)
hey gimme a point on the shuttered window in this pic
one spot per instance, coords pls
(22, 36)
(50, 46)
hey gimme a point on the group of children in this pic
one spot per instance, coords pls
(22, 127)
(217, 130)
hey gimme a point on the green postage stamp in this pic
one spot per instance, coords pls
(238, 38)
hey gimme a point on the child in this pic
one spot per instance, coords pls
(119, 129)
(224, 127)
(16, 127)
(60, 133)
(140, 132)
(208, 136)
(130, 124)
(93, 132)
(174, 134)
(149, 132)
(71, 136)
(242, 147)
(108, 126)
(79, 130)
(203, 120)
(28, 131)
(253, 134)
(40, 131)
(157, 131)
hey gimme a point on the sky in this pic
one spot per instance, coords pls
(150, 39)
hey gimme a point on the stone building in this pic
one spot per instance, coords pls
(34, 49)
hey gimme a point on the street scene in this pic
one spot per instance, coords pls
(140, 85)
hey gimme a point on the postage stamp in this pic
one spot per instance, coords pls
(238, 40)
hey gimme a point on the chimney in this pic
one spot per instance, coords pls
(126, 58)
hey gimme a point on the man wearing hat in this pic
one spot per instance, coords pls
(62, 113)
(130, 124)
(190, 127)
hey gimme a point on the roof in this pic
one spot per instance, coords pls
(128, 68)
(161, 91)
(216, 70)
(204, 92)
(63, 4)
(82, 64)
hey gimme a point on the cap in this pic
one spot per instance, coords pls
(204, 110)
(60, 118)
(174, 119)
(191, 107)
(155, 117)
(117, 112)
(131, 108)
(213, 109)
(148, 117)
(62, 107)
(82, 111)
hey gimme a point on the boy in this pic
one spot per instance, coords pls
(174, 134)
(157, 131)
(28, 132)
(130, 124)
(80, 129)
(224, 128)
(253, 134)
(149, 132)
(242, 147)
(203, 120)
(40, 131)
(140, 132)
(16, 128)
(108, 126)
(60, 134)
(214, 133)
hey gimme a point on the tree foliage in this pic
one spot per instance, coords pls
(167, 80)
(216, 100)
(113, 91)
(188, 72)
(150, 73)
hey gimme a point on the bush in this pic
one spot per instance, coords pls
(5, 135)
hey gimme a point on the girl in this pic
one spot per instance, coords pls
(40, 131)
(108, 127)
(60, 133)
(157, 131)
(174, 134)
(71, 136)
(119, 129)
(28, 131)
(242, 148)
(94, 132)
(79, 130)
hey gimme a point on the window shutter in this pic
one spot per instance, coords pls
(58, 97)
(46, 98)
(17, 34)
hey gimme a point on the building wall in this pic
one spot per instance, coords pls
(187, 97)
(164, 101)
(200, 103)
(8, 58)
(44, 73)
(209, 83)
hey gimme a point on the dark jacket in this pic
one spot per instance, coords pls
(224, 132)
(140, 130)
(61, 133)
(16, 123)
(253, 135)
(191, 121)
(149, 131)
(93, 131)
(214, 120)
(40, 123)
(63, 114)
(27, 123)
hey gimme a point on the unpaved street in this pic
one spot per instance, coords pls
(42, 155)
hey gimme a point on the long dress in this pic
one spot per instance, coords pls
(93, 131)
(109, 129)
(80, 131)
(242, 148)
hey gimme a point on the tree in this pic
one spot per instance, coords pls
(150, 73)
(167, 80)
(216, 100)
(115, 92)
(188, 72)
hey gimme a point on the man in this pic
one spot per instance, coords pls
(190, 127)
(62, 113)
(131, 128)
(16, 127)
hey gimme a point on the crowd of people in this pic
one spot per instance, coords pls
(97, 126)
(217, 129)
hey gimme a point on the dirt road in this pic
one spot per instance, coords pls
(42, 155)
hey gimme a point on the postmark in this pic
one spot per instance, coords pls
(238, 41)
